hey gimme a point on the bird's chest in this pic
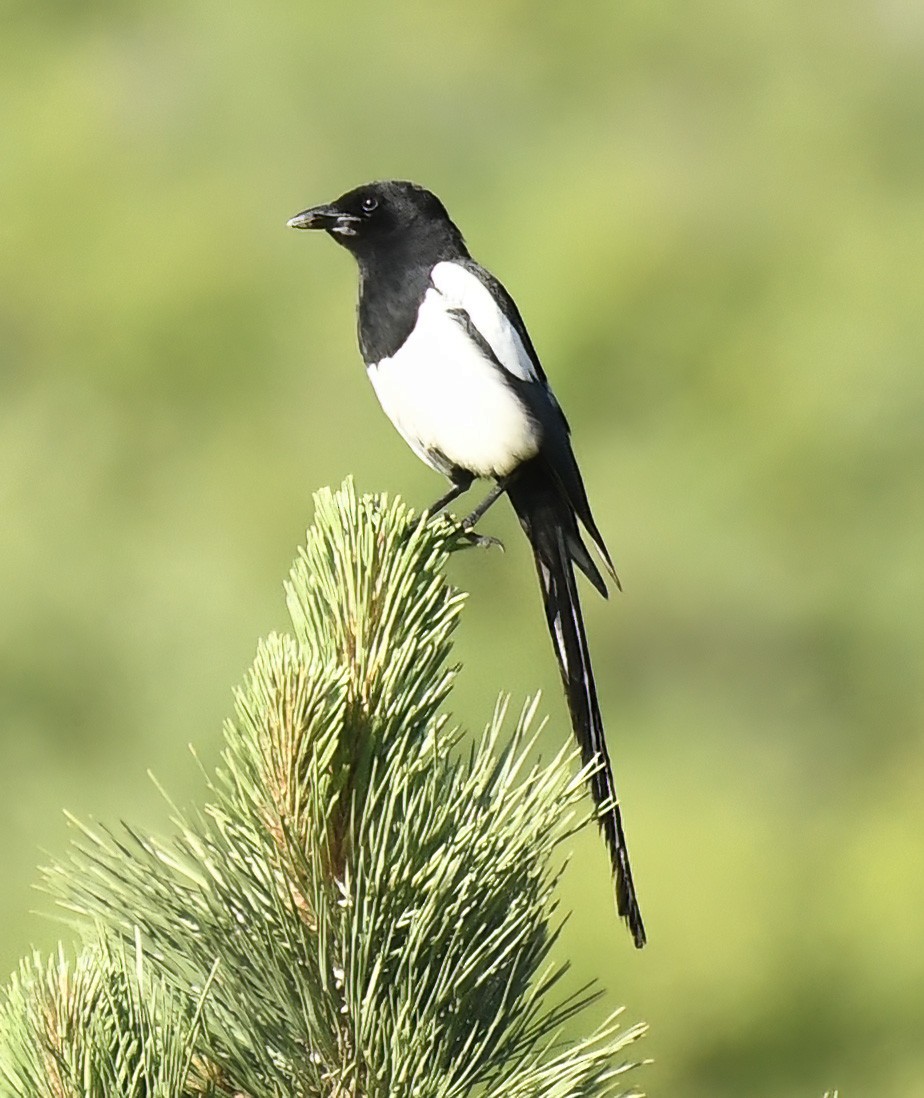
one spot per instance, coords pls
(452, 405)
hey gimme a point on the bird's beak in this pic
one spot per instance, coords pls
(324, 217)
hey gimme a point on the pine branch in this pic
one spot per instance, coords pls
(363, 907)
(99, 1027)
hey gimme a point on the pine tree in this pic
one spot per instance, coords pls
(365, 904)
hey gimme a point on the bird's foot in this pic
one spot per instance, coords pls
(482, 541)
(463, 533)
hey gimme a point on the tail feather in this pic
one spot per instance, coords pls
(551, 526)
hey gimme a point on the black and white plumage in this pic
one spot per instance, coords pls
(454, 369)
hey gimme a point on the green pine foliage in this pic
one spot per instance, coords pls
(364, 906)
(101, 1027)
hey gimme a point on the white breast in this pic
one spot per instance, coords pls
(446, 398)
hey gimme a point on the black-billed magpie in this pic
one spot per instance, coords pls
(456, 372)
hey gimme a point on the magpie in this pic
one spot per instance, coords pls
(453, 366)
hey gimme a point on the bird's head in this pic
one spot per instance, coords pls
(385, 218)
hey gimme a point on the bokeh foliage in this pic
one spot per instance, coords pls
(711, 217)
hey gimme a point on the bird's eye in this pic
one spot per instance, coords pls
(370, 204)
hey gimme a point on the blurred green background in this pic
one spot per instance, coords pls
(712, 216)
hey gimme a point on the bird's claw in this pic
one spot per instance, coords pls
(481, 541)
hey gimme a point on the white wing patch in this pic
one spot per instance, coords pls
(463, 290)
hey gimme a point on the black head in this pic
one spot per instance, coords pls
(388, 218)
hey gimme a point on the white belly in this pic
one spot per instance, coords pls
(446, 398)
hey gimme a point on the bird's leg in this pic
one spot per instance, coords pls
(468, 523)
(493, 496)
(460, 485)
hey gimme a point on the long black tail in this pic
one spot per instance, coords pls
(549, 521)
